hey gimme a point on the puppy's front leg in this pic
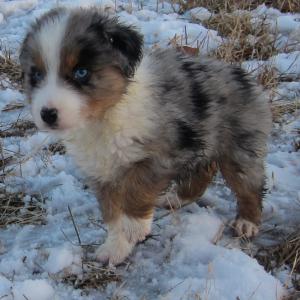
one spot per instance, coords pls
(127, 206)
(123, 234)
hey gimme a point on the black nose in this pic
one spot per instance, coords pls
(49, 115)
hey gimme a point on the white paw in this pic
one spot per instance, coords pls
(123, 234)
(135, 229)
(245, 228)
(114, 251)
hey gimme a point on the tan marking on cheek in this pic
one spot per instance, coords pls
(68, 60)
(38, 62)
(71, 61)
(110, 85)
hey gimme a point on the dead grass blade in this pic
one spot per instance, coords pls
(13, 106)
(12, 70)
(57, 148)
(232, 5)
(19, 128)
(242, 40)
(268, 77)
(15, 210)
(286, 252)
(281, 108)
(4, 161)
(94, 277)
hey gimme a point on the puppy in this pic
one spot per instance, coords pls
(134, 123)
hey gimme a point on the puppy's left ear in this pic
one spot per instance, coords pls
(130, 43)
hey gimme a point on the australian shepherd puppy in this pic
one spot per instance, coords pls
(134, 123)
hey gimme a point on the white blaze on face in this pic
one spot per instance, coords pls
(53, 93)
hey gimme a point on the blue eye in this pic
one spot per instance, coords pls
(81, 74)
(35, 76)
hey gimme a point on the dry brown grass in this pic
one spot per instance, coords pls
(57, 148)
(94, 276)
(268, 77)
(281, 108)
(242, 40)
(286, 5)
(14, 210)
(287, 252)
(12, 70)
(19, 128)
(231, 5)
(215, 5)
(225, 23)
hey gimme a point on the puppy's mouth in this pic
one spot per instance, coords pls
(54, 128)
(47, 128)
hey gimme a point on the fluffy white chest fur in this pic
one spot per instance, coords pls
(101, 147)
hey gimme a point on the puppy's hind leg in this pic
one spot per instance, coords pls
(189, 185)
(247, 180)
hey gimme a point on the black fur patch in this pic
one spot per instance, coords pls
(122, 38)
(222, 100)
(188, 66)
(187, 137)
(34, 79)
(202, 68)
(246, 140)
(130, 43)
(172, 85)
(168, 86)
(89, 53)
(241, 76)
(200, 99)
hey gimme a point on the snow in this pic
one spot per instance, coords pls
(32, 289)
(212, 266)
(192, 254)
(264, 11)
(9, 96)
(287, 63)
(161, 29)
(61, 258)
(286, 24)
(200, 13)
(11, 7)
(157, 28)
